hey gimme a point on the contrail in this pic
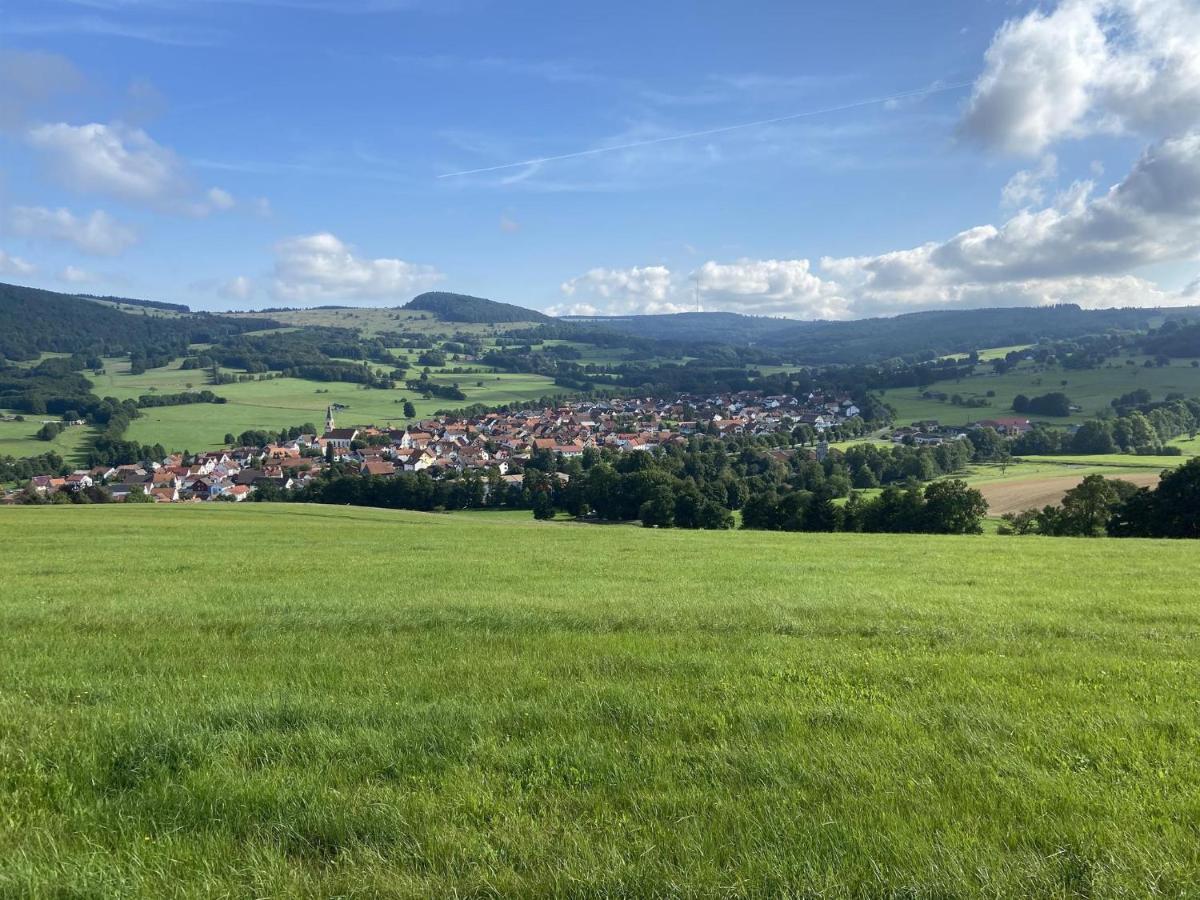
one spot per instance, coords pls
(687, 136)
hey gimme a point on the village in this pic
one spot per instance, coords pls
(497, 442)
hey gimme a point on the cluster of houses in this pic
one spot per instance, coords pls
(495, 441)
(930, 433)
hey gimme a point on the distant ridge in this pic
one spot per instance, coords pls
(706, 327)
(465, 308)
(35, 321)
(131, 301)
(929, 333)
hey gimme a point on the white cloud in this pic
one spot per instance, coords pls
(320, 268)
(98, 234)
(112, 159)
(123, 162)
(784, 287)
(1027, 187)
(780, 287)
(636, 290)
(76, 275)
(14, 265)
(1080, 249)
(238, 288)
(219, 199)
(1086, 67)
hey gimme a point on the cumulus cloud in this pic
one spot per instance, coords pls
(319, 268)
(123, 162)
(636, 290)
(1027, 187)
(114, 159)
(1152, 216)
(783, 287)
(1080, 249)
(770, 287)
(1087, 67)
(98, 234)
(14, 265)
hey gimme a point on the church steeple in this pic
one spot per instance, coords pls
(329, 419)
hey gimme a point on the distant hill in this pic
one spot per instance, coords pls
(950, 331)
(703, 327)
(465, 308)
(34, 321)
(911, 335)
(130, 301)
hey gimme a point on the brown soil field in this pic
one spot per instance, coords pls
(1013, 496)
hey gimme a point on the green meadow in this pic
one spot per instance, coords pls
(367, 703)
(370, 322)
(1091, 389)
(19, 439)
(284, 402)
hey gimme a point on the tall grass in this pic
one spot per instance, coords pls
(269, 701)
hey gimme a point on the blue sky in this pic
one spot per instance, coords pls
(242, 153)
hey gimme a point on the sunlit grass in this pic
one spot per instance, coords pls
(274, 700)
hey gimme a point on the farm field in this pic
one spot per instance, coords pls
(370, 322)
(18, 439)
(285, 402)
(1016, 494)
(1035, 481)
(407, 704)
(1091, 389)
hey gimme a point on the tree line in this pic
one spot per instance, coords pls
(1110, 506)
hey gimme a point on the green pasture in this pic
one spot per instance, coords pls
(18, 439)
(284, 402)
(374, 703)
(1091, 389)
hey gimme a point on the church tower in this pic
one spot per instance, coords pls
(329, 419)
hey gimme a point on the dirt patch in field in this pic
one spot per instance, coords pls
(1013, 496)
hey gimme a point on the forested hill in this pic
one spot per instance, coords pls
(692, 327)
(464, 308)
(914, 335)
(33, 321)
(952, 331)
(132, 301)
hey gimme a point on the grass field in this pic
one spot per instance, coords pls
(284, 402)
(370, 322)
(18, 439)
(1090, 389)
(373, 703)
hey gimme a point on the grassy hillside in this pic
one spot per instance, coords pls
(1091, 389)
(285, 402)
(19, 439)
(378, 703)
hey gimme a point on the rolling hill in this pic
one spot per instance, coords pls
(464, 308)
(34, 321)
(930, 333)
